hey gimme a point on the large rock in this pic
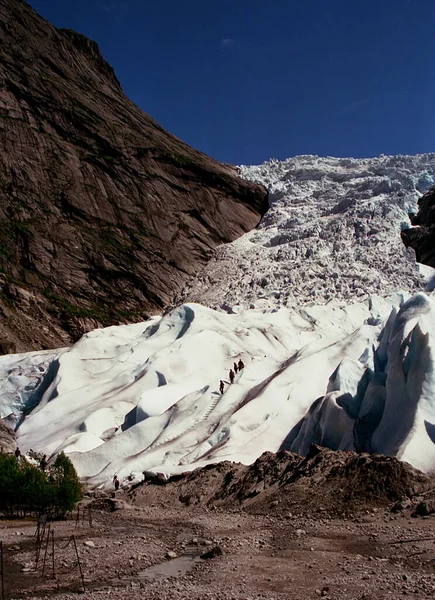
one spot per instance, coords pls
(103, 214)
(421, 237)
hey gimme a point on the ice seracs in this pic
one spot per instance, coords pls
(389, 407)
(332, 232)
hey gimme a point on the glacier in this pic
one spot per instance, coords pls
(144, 397)
(323, 304)
(332, 232)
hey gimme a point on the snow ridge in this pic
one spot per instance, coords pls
(332, 231)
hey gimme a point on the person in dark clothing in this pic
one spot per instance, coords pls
(241, 365)
(231, 375)
(17, 453)
(221, 386)
(235, 367)
(43, 463)
(116, 482)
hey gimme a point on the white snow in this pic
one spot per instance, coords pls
(334, 352)
(145, 397)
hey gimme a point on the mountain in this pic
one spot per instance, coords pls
(350, 366)
(103, 214)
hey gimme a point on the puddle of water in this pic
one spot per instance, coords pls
(170, 568)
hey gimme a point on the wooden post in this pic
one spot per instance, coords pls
(42, 522)
(79, 564)
(46, 550)
(52, 549)
(1, 568)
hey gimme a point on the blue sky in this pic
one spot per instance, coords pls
(249, 80)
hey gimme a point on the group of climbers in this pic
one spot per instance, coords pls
(237, 367)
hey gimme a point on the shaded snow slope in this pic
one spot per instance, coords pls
(144, 397)
(332, 231)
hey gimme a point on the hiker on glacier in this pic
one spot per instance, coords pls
(235, 367)
(231, 376)
(221, 386)
(43, 463)
(116, 482)
(241, 365)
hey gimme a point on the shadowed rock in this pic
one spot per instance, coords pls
(421, 237)
(7, 347)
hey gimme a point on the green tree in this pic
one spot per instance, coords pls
(24, 487)
(9, 484)
(67, 488)
(35, 494)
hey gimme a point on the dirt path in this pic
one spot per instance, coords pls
(377, 555)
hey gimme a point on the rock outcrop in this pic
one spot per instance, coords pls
(7, 438)
(103, 214)
(421, 237)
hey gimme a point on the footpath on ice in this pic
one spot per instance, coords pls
(144, 398)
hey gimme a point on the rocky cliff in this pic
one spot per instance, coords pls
(103, 214)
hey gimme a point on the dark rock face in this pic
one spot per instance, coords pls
(103, 214)
(422, 237)
(7, 438)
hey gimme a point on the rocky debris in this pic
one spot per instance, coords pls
(89, 544)
(401, 505)
(103, 214)
(330, 481)
(421, 237)
(108, 504)
(385, 556)
(170, 555)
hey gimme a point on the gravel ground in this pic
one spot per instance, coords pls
(373, 555)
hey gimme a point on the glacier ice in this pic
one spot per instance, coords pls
(144, 398)
(335, 353)
(332, 232)
(391, 408)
